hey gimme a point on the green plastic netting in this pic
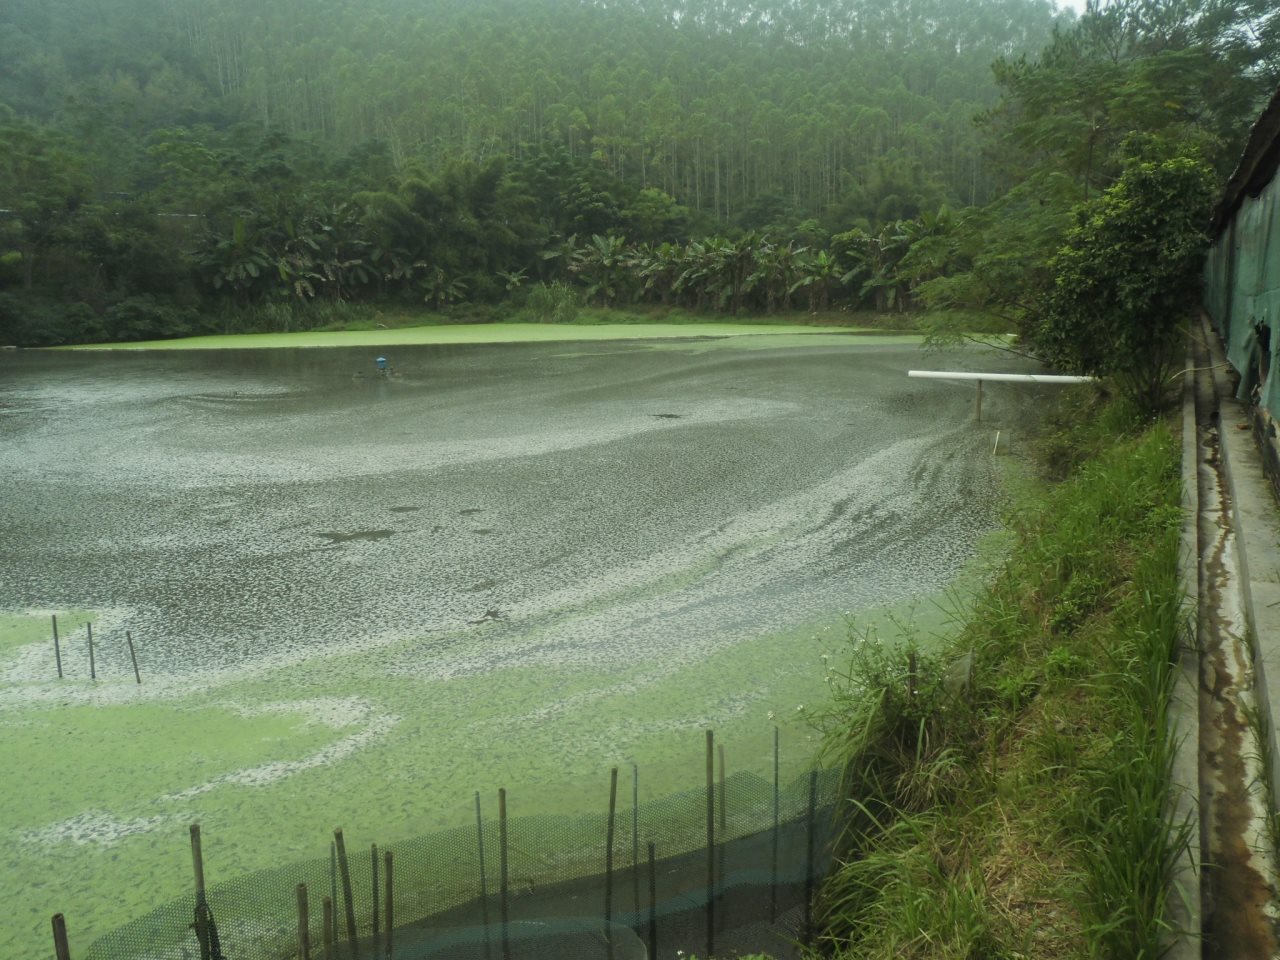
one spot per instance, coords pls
(452, 890)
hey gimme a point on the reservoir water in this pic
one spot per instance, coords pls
(359, 598)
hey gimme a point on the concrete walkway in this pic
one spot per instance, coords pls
(1230, 679)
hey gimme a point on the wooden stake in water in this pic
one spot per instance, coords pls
(997, 444)
(711, 844)
(388, 879)
(635, 843)
(653, 903)
(203, 924)
(93, 672)
(333, 890)
(810, 838)
(724, 832)
(197, 857)
(61, 948)
(344, 872)
(484, 890)
(777, 824)
(608, 861)
(304, 924)
(133, 656)
(502, 869)
(57, 647)
(374, 873)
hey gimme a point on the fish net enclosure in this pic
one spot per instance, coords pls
(727, 867)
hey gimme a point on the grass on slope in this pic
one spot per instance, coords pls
(1022, 814)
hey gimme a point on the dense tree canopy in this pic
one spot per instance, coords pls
(167, 161)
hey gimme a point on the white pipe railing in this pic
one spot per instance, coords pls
(998, 377)
(995, 378)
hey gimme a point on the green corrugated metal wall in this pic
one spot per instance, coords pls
(1242, 294)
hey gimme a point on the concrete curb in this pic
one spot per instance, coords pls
(1184, 708)
(1255, 517)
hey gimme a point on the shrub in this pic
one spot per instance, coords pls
(1128, 276)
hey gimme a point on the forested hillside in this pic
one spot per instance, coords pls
(168, 164)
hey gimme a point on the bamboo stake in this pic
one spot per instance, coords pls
(344, 871)
(329, 921)
(304, 924)
(93, 670)
(57, 647)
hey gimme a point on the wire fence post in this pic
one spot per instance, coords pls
(304, 924)
(61, 947)
(711, 844)
(608, 862)
(57, 650)
(484, 891)
(344, 872)
(502, 870)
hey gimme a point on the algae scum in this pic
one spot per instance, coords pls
(358, 599)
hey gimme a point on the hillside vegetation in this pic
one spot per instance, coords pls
(169, 167)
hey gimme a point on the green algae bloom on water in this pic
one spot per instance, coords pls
(357, 600)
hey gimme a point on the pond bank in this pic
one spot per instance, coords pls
(1011, 789)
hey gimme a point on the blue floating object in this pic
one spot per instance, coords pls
(381, 362)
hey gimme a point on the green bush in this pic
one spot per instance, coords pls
(34, 321)
(147, 318)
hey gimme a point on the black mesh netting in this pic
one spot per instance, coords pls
(548, 892)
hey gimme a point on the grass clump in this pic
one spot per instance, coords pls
(1007, 790)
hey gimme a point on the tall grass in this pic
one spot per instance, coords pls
(1023, 813)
